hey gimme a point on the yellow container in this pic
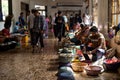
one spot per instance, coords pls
(24, 45)
(25, 39)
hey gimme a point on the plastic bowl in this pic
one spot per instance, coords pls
(93, 70)
(111, 65)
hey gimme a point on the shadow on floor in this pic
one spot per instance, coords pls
(53, 64)
(53, 68)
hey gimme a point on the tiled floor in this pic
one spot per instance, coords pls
(21, 64)
(103, 76)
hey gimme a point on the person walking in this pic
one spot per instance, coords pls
(30, 22)
(46, 27)
(38, 31)
(60, 25)
(54, 25)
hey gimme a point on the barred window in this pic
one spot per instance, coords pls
(115, 12)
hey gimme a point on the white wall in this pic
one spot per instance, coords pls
(50, 3)
(38, 2)
(16, 5)
(103, 15)
(47, 3)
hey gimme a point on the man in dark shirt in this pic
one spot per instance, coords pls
(60, 25)
(8, 21)
(21, 20)
(38, 31)
(117, 28)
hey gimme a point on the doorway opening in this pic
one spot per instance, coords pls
(41, 9)
(24, 9)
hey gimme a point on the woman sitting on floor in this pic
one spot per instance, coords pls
(8, 37)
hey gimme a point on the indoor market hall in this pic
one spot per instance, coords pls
(59, 39)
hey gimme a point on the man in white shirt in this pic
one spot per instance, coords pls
(30, 22)
(87, 19)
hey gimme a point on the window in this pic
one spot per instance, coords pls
(115, 12)
(4, 8)
(42, 9)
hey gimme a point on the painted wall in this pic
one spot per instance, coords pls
(103, 15)
(101, 19)
(50, 3)
(52, 10)
(16, 4)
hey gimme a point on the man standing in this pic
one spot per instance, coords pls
(54, 25)
(21, 20)
(8, 21)
(60, 25)
(37, 31)
(30, 22)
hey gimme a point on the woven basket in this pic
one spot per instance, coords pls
(78, 66)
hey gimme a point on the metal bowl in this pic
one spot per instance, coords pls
(65, 58)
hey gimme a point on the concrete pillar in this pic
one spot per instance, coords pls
(83, 8)
(103, 15)
(90, 7)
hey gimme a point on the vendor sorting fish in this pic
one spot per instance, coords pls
(93, 47)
